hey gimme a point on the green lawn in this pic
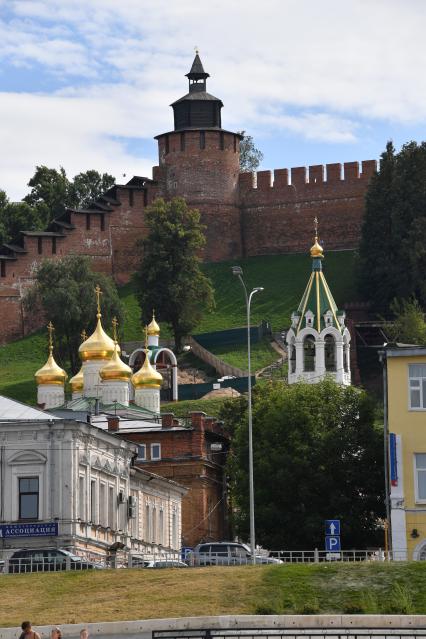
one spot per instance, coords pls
(262, 354)
(108, 595)
(181, 409)
(284, 278)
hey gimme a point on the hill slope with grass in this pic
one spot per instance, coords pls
(114, 595)
(283, 277)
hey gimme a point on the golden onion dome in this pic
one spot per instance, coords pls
(116, 370)
(147, 376)
(153, 328)
(316, 249)
(77, 382)
(98, 346)
(51, 373)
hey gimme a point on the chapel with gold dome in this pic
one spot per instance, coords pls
(318, 340)
(103, 374)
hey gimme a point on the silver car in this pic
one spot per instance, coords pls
(226, 553)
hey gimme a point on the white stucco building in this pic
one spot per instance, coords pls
(81, 478)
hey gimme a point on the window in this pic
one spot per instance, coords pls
(131, 197)
(167, 144)
(102, 505)
(102, 216)
(174, 530)
(155, 451)
(28, 497)
(93, 513)
(141, 451)
(221, 141)
(111, 508)
(147, 523)
(154, 525)
(40, 245)
(87, 221)
(53, 245)
(202, 139)
(330, 353)
(309, 353)
(2, 268)
(420, 476)
(292, 348)
(161, 527)
(182, 141)
(145, 197)
(417, 375)
(81, 498)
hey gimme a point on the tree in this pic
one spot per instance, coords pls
(87, 187)
(64, 292)
(169, 278)
(409, 326)
(49, 192)
(15, 217)
(392, 248)
(317, 455)
(250, 156)
(52, 192)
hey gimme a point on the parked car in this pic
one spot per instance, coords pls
(166, 563)
(226, 553)
(46, 560)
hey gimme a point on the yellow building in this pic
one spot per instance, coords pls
(405, 383)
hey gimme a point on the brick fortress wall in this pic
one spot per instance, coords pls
(244, 214)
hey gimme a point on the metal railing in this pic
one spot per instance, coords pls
(292, 633)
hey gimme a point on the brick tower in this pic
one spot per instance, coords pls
(199, 160)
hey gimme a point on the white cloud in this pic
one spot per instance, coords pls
(322, 71)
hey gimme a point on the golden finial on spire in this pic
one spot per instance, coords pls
(197, 51)
(153, 328)
(50, 329)
(316, 249)
(98, 299)
(114, 328)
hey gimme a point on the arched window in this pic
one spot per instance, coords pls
(330, 353)
(292, 356)
(346, 360)
(422, 553)
(309, 353)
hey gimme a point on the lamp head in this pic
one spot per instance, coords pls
(237, 270)
(258, 289)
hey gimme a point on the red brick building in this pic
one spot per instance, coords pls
(244, 214)
(192, 454)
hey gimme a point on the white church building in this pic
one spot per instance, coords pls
(318, 341)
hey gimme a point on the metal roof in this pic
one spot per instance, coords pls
(10, 409)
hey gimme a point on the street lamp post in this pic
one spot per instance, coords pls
(238, 272)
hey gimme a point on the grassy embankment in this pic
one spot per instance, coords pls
(283, 277)
(143, 594)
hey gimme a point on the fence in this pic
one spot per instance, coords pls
(195, 391)
(53, 560)
(349, 632)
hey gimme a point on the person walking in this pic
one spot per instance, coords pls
(28, 632)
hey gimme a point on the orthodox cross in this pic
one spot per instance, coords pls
(146, 340)
(316, 226)
(50, 329)
(114, 328)
(98, 297)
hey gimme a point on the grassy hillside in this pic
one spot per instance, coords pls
(109, 595)
(284, 278)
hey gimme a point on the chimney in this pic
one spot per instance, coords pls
(167, 420)
(113, 423)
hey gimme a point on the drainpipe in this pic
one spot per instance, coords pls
(383, 360)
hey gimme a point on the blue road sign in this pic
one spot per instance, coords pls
(29, 530)
(332, 544)
(332, 527)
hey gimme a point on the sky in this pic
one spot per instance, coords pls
(86, 84)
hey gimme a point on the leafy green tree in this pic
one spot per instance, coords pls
(392, 249)
(409, 326)
(317, 455)
(49, 192)
(15, 217)
(87, 187)
(250, 156)
(64, 293)
(169, 278)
